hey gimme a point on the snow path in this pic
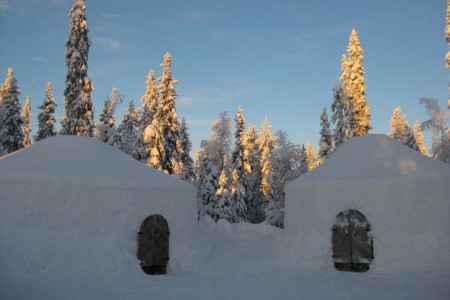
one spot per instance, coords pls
(239, 265)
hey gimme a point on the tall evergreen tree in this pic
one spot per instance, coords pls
(267, 145)
(149, 101)
(354, 86)
(79, 107)
(26, 126)
(46, 118)
(187, 172)
(397, 123)
(11, 135)
(223, 207)
(341, 115)
(208, 186)
(417, 130)
(326, 142)
(167, 120)
(129, 132)
(239, 165)
(310, 157)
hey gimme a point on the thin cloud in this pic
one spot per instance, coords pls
(38, 58)
(197, 123)
(4, 6)
(192, 101)
(107, 43)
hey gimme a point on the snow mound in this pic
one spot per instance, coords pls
(83, 161)
(73, 205)
(403, 194)
(376, 157)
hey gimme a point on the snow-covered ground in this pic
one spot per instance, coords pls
(71, 235)
(239, 265)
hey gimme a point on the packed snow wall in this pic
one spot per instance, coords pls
(403, 195)
(73, 205)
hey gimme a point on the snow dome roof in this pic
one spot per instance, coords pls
(376, 157)
(82, 161)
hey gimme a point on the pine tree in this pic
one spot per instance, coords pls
(106, 130)
(354, 87)
(238, 193)
(26, 126)
(79, 107)
(208, 186)
(342, 132)
(187, 172)
(11, 135)
(149, 101)
(240, 166)
(128, 130)
(267, 145)
(223, 207)
(397, 124)
(310, 157)
(167, 120)
(417, 131)
(325, 143)
(46, 118)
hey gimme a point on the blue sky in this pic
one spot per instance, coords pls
(276, 59)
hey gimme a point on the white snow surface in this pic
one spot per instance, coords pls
(404, 195)
(70, 209)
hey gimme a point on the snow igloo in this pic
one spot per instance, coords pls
(391, 200)
(74, 205)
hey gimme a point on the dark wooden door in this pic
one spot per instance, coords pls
(153, 244)
(351, 241)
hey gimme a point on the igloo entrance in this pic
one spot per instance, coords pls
(351, 242)
(153, 245)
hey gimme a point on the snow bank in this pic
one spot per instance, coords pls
(73, 205)
(403, 194)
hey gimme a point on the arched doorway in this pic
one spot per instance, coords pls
(352, 242)
(153, 245)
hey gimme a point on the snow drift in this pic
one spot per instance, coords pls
(403, 194)
(73, 205)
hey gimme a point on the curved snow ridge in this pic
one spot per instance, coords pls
(378, 158)
(82, 161)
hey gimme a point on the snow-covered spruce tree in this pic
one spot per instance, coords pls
(238, 205)
(437, 123)
(326, 141)
(271, 204)
(354, 87)
(223, 207)
(240, 167)
(418, 135)
(167, 121)
(198, 156)
(310, 157)
(149, 101)
(208, 186)
(304, 167)
(46, 118)
(11, 135)
(129, 132)
(106, 130)
(397, 124)
(26, 126)
(79, 107)
(187, 172)
(342, 131)
(252, 154)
